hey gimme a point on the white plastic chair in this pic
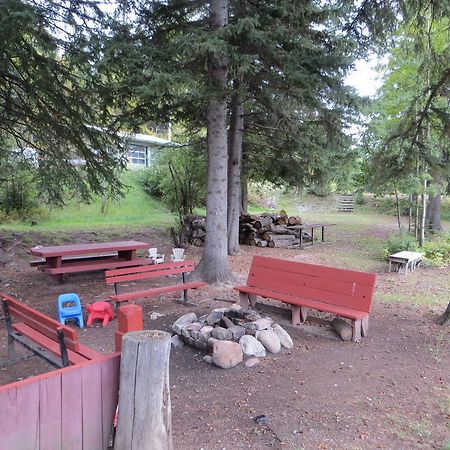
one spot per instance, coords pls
(153, 254)
(177, 255)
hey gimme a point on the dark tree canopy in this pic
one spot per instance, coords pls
(52, 99)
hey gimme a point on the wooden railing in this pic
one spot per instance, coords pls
(69, 408)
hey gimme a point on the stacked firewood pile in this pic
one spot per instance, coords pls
(265, 230)
(193, 230)
(271, 230)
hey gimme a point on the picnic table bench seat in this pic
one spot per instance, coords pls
(118, 276)
(345, 293)
(48, 338)
(84, 264)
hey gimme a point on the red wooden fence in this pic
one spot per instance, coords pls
(70, 408)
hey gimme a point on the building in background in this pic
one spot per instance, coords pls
(142, 149)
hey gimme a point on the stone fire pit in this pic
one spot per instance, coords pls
(230, 335)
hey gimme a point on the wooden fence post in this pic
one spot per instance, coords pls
(129, 318)
(145, 418)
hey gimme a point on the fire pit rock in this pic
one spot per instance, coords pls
(230, 334)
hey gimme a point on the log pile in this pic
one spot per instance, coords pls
(271, 230)
(194, 230)
(265, 230)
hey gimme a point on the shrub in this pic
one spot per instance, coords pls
(178, 177)
(437, 250)
(387, 205)
(399, 242)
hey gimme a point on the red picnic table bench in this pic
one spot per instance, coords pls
(44, 336)
(344, 293)
(71, 258)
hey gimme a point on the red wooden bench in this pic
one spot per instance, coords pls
(64, 259)
(146, 272)
(346, 293)
(46, 337)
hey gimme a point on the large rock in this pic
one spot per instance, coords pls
(183, 321)
(214, 317)
(221, 333)
(270, 340)
(237, 332)
(285, 339)
(226, 354)
(236, 307)
(177, 342)
(263, 324)
(205, 333)
(251, 346)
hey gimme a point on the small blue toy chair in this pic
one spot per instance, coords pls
(72, 311)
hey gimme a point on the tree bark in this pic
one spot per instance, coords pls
(214, 266)
(144, 396)
(397, 205)
(434, 212)
(423, 214)
(234, 169)
(244, 194)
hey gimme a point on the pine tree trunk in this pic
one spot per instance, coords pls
(244, 193)
(423, 214)
(234, 170)
(214, 266)
(434, 212)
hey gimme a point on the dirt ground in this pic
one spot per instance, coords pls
(389, 391)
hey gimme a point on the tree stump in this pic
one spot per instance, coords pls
(145, 420)
(342, 328)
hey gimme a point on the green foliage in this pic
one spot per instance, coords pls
(387, 205)
(134, 209)
(408, 132)
(399, 242)
(437, 250)
(17, 194)
(52, 99)
(178, 178)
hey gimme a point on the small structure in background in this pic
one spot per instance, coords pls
(153, 254)
(346, 203)
(69, 307)
(405, 259)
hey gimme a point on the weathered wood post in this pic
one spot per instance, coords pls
(145, 420)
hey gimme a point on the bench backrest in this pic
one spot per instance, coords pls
(40, 322)
(151, 271)
(347, 288)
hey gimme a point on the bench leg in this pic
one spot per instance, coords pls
(295, 315)
(244, 301)
(356, 330)
(365, 326)
(303, 313)
(9, 330)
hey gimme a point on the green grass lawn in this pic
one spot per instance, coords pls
(135, 209)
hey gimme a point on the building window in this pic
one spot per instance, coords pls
(137, 155)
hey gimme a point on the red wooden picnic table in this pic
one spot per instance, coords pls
(60, 259)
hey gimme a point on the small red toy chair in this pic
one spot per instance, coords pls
(101, 311)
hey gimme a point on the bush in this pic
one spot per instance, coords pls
(437, 250)
(387, 205)
(178, 177)
(399, 242)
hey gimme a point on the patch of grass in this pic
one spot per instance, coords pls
(135, 209)
(406, 430)
(429, 299)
